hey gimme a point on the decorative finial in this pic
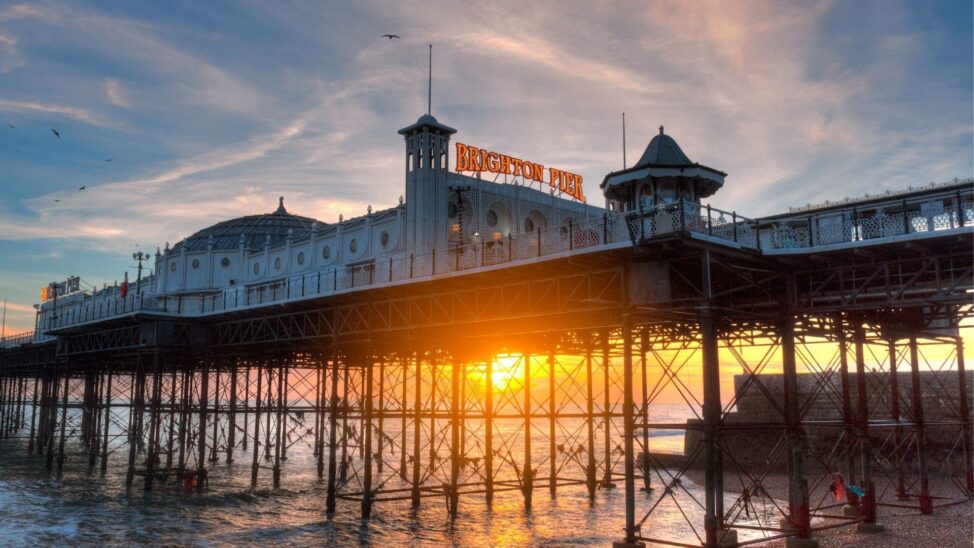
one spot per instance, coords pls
(661, 130)
(369, 209)
(341, 217)
(280, 207)
(401, 200)
(314, 227)
(290, 233)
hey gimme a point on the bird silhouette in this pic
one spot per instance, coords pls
(83, 187)
(57, 201)
(11, 126)
(56, 134)
(390, 36)
(109, 159)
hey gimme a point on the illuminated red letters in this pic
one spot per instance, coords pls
(471, 158)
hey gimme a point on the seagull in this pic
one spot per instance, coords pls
(109, 159)
(390, 36)
(57, 201)
(84, 187)
(58, 135)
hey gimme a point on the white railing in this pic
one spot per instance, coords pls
(848, 226)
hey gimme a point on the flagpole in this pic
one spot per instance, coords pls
(623, 140)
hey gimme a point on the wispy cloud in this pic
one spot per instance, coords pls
(115, 95)
(75, 113)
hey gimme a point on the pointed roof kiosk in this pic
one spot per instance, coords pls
(663, 174)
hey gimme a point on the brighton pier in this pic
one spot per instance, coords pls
(487, 336)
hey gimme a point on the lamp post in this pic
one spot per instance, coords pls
(139, 256)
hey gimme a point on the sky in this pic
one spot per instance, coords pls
(211, 110)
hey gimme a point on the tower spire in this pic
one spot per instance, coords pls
(429, 86)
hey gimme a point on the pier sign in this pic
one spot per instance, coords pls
(470, 158)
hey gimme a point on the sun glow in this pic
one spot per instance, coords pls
(506, 372)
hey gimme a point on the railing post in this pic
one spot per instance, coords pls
(411, 257)
(334, 279)
(482, 247)
(510, 247)
(857, 235)
(571, 235)
(960, 211)
(605, 228)
(683, 217)
(734, 220)
(434, 262)
(390, 269)
(539, 241)
(710, 224)
(457, 260)
(906, 219)
(811, 232)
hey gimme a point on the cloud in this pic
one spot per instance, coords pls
(14, 307)
(75, 113)
(115, 95)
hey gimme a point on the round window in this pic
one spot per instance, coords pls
(491, 218)
(384, 238)
(196, 263)
(277, 263)
(326, 252)
(452, 210)
(528, 225)
(256, 268)
(353, 245)
(172, 267)
(225, 262)
(301, 257)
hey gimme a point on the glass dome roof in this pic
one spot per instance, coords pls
(252, 229)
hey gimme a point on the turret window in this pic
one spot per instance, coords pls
(301, 257)
(326, 252)
(196, 264)
(225, 262)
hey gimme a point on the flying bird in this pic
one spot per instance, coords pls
(390, 36)
(56, 134)
(83, 187)
(109, 159)
(11, 125)
(57, 201)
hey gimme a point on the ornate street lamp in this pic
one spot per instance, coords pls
(139, 256)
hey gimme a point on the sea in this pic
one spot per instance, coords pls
(78, 507)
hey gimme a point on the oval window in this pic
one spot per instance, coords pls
(326, 252)
(384, 238)
(196, 263)
(256, 268)
(277, 263)
(452, 210)
(491, 218)
(225, 262)
(528, 225)
(353, 245)
(172, 267)
(301, 257)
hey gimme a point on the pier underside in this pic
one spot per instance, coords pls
(547, 376)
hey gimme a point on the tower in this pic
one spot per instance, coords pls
(427, 189)
(663, 175)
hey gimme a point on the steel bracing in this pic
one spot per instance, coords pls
(837, 361)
